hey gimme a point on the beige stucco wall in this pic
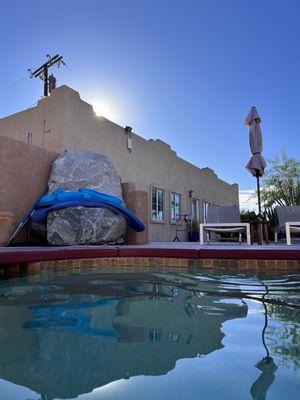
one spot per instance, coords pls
(24, 175)
(73, 125)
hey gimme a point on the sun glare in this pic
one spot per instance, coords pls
(103, 110)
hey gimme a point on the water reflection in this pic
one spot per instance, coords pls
(267, 365)
(284, 338)
(262, 384)
(73, 333)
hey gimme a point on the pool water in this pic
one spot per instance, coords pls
(98, 334)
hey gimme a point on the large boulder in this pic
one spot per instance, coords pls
(85, 225)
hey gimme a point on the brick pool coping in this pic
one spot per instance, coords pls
(177, 255)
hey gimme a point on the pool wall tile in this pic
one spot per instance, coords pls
(271, 264)
(280, 264)
(140, 264)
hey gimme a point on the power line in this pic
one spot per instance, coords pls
(40, 72)
(13, 84)
(77, 75)
(123, 117)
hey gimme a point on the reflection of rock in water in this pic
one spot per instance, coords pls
(64, 345)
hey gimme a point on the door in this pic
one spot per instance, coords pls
(195, 210)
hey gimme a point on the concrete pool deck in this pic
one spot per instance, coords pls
(178, 254)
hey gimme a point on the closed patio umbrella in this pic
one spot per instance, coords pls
(257, 164)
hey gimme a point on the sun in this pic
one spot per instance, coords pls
(103, 110)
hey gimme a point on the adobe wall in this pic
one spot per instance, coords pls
(24, 175)
(73, 125)
(137, 202)
(43, 121)
(149, 163)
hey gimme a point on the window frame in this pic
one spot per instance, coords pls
(173, 221)
(152, 219)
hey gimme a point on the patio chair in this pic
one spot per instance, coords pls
(224, 219)
(288, 222)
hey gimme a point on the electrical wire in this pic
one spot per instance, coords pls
(77, 75)
(13, 84)
(87, 87)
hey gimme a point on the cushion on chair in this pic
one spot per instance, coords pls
(224, 214)
(286, 214)
(220, 230)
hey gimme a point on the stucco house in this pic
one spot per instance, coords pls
(63, 121)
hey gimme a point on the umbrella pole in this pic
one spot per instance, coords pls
(260, 234)
(258, 194)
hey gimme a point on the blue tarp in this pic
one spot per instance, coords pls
(60, 195)
(86, 198)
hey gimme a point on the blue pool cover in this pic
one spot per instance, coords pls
(86, 198)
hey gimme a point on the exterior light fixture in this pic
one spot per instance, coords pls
(128, 131)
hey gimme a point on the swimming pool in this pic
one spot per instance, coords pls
(150, 334)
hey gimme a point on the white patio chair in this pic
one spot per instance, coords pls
(288, 219)
(224, 219)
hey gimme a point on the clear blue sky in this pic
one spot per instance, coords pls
(186, 72)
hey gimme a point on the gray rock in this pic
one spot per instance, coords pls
(82, 225)
(85, 225)
(85, 169)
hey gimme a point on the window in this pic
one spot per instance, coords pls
(205, 207)
(174, 206)
(157, 208)
(154, 335)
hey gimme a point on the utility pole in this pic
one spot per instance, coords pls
(42, 71)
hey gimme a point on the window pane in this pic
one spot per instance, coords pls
(153, 207)
(157, 204)
(174, 206)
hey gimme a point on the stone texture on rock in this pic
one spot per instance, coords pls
(85, 225)
(85, 169)
(82, 225)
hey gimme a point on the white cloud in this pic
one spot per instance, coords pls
(248, 200)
